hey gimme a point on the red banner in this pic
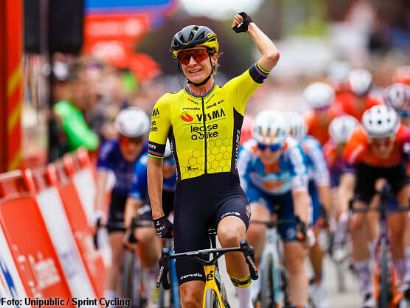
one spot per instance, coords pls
(112, 36)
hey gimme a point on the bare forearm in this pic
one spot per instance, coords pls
(269, 53)
(301, 205)
(131, 209)
(346, 187)
(100, 198)
(324, 197)
(155, 177)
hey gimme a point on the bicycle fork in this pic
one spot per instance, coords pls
(212, 281)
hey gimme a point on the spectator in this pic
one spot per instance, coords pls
(73, 129)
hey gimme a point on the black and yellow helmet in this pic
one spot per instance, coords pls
(192, 36)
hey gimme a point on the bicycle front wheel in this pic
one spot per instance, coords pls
(211, 299)
(384, 286)
(267, 297)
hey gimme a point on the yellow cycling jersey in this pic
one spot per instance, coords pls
(204, 131)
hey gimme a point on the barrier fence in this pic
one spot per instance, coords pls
(47, 256)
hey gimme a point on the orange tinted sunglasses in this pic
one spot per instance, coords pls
(199, 55)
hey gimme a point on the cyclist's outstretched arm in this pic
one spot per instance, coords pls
(131, 207)
(269, 53)
(155, 177)
(100, 197)
(345, 190)
(301, 204)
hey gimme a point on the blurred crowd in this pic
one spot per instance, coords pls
(89, 93)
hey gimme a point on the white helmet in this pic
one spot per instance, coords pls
(380, 121)
(338, 72)
(341, 127)
(319, 95)
(297, 125)
(360, 81)
(270, 127)
(132, 122)
(397, 96)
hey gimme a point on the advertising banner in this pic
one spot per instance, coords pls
(77, 218)
(32, 250)
(11, 287)
(52, 210)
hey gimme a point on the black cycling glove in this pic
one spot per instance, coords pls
(243, 27)
(301, 230)
(163, 227)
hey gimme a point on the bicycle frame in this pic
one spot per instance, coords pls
(212, 279)
(273, 250)
(212, 283)
(382, 251)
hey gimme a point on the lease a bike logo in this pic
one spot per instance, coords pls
(186, 117)
(201, 132)
(154, 127)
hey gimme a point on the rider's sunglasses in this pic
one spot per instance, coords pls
(199, 55)
(272, 147)
(128, 140)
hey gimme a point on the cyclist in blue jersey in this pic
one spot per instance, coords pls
(118, 157)
(149, 245)
(319, 192)
(274, 177)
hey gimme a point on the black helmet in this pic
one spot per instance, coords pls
(192, 36)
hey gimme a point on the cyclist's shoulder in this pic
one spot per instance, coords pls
(292, 144)
(142, 161)
(292, 150)
(249, 147)
(310, 118)
(246, 76)
(169, 98)
(109, 146)
(311, 142)
(403, 134)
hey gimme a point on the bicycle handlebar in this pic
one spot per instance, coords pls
(272, 223)
(198, 255)
(129, 237)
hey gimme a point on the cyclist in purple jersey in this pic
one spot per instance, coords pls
(118, 157)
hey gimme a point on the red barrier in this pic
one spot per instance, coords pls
(82, 173)
(27, 236)
(11, 286)
(59, 174)
(61, 232)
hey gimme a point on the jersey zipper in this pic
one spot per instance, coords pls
(205, 133)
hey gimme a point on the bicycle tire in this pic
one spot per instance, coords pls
(211, 299)
(384, 286)
(267, 295)
(341, 277)
(131, 280)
